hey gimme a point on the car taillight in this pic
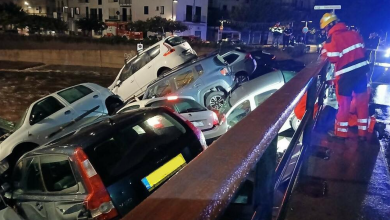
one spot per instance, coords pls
(248, 56)
(196, 130)
(98, 201)
(222, 119)
(215, 119)
(223, 71)
(170, 50)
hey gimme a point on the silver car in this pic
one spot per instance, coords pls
(249, 95)
(202, 118)
(242, 64)
(208, 80)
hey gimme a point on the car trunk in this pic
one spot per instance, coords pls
(202, 120)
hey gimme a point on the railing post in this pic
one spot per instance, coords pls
(263, 193)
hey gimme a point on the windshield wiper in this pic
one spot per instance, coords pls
(193, 110)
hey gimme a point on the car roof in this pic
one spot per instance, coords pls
(248, 88)
(91, 134)
(144, 102)
(89, 85)
(148, 48)
(184, 65)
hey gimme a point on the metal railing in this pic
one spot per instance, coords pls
(195, 18)
(124, 2)
(204, 189)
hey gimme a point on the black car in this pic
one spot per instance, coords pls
(104, 170)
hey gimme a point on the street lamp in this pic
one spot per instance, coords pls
(26, 3)
(173, 1)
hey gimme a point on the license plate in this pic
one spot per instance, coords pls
(167, 170)
(198, 123)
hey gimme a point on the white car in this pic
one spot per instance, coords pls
(158, 59)
(54, 116)
(202, 118)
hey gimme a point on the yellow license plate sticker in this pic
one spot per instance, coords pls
(164, 172)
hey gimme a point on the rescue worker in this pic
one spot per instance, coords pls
(321, 38)
(346, 50)
(277, 32)
(286, 36)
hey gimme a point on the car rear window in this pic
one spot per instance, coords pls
(174, 41)
(73, 94)
(219, 61)
(57, 173)
(179, 105)
(146, 140)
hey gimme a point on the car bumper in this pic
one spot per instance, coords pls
(214, 133)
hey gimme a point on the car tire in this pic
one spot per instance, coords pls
(241, 78)
(215, 100)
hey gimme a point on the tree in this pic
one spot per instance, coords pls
(162, 25)
(37, 23)
(89, 24)
(10, 15)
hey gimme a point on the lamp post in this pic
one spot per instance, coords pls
(306, 22)
(173, 1)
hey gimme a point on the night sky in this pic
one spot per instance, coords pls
(368, 15)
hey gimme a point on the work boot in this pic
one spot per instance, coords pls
(332, 135)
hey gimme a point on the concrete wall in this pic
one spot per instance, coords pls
(98, 58)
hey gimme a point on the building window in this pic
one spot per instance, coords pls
(100, 14)
(111, 1)
(94, 14)
(189, 13)
(99, 2)
(86, 12)
(224, 7)
(157, 8)
(112, 14)
(146, 10)
(162, 10)
(198, 33)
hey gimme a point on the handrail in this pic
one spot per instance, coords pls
(204, 188)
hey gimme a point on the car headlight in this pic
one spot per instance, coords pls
(387, 53)
(320, 45)
(4, 166)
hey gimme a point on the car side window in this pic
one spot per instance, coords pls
(44, 108)
(288, 75)
(260, 98)
(130, 108)
(231, 58)
(73, 94)
(57, 173)
(154, 52)
(184, 79)
(240, 112)
(32, 179)
(199, 69)
(134, 65)
(160, 89)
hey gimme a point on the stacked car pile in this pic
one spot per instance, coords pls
(101, 156)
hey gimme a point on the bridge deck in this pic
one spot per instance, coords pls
(352, 184)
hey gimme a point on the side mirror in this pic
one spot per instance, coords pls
(118, 83)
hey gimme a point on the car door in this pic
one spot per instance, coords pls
(29, 192)
(126, 84)
(63, 198)
(86, 103)
(46, 117)
(149, 71)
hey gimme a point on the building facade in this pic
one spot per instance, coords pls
(191, 12)
(37, 7)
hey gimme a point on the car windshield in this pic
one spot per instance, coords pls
(174, 41)
(179, 105)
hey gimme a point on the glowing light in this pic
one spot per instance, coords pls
(26, 3)
(172, 97)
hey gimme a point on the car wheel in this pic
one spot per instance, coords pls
(241, 78)
(215, 100)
